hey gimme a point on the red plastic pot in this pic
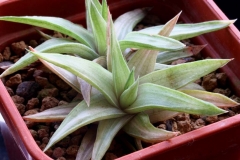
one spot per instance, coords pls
(220, 140)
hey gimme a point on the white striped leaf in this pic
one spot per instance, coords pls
(99, 26)
(107, 129)
(89, 71)
(149, 41)
(86, 147)
(129, 95)
(126, 22)
(57, 24)
(83, 115)
(178, 76)
(214, 98)
(151, 96)
(53, 114)
(140, 127)
(185, 31)
(120, 70)
(56, 46)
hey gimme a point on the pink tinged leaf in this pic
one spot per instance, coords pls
(168, 27)
(157, 115)
(107, 130)
(215, 98)
(85, 90)
(169, 56)
(144, 62)
(5, 65)
(140, 127)
(109, 61)
(195, 49)
(86, 147)
(120, 70)
(52, 114)
(138, 143)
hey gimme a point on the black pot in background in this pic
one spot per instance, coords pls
(231, 8)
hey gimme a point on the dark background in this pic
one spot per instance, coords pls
(231, 8)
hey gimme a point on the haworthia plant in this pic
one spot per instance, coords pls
(132, 91)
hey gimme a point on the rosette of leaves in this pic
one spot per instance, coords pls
(128, 92)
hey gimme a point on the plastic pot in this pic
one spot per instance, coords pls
(216, 141)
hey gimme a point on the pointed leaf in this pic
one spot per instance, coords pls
(126, 22)
(85, 90)
(130, 80)
(86, 147)
(141, 127)
(149, 41)
(65, 75)
(52, 114)
(129, 95)
(57, 24)
(89, 71)
(143, 61)
(178, 76)
(185, 31)
(107, 129)
(169, 56)
(151, 96)
(120, 69)
(44, 35)
(214, 98)
(168, 27)
(56, 46)
(157, 115)
(82, 115)
(104, 10)
(98, 28)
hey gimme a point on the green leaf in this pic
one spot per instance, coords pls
(99, 26)
(169, 56)
(129, 95)
(57, 24)
(104, 10)
(53, 45)
(178, 76)
(107, 129)
(53, 114)
(151, 96)
(159, 66)
(127, 21)
(214, 98)
(130, 80)
(82, 115)
(120, 69)
(149, 41)
(157, 115)
(140, 127)
(89, 71)
(87, 143)
(185, 31)
(143, 61)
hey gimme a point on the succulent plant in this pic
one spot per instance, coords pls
(121, 89)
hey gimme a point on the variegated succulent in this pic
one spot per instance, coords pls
(128, 90)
